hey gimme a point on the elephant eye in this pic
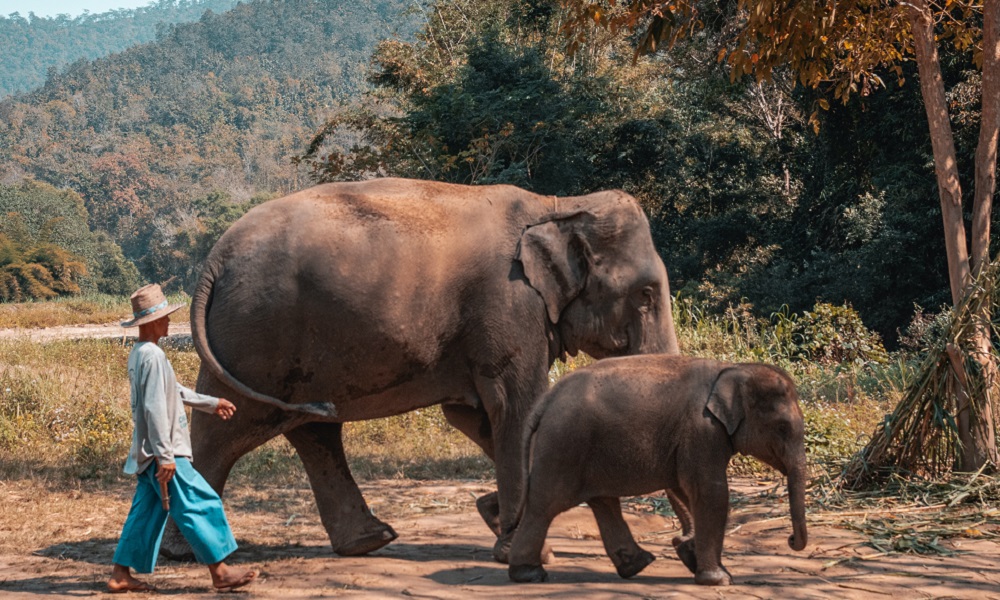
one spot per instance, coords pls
(645, 299)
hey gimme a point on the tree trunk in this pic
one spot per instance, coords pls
(943, 143)
(977, 445)
(989, 126)
(983, 428)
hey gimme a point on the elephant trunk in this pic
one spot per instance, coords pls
(656, 335)
(797, 503)
(669, 335)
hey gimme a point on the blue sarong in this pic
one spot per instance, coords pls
(194, 506)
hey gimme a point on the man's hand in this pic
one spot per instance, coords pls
(165, 472)
(225, 409)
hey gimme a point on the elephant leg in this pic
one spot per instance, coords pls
(527, 547)
(629, 559)
(508, 468)
(711, 509)
(350, 524)
(216, 446)
(475, 424)
(684, 543)
(507, 402)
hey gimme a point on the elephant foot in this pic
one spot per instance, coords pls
(718, 576)
(685, 551)
(501, 549)
(527, 573)
(369, 541)
(489, 509)
(630, 566)
(174, 546)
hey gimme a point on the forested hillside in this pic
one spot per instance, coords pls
(169, 141)
(760, 201)
(33, 45)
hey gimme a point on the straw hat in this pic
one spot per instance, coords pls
(148, 305)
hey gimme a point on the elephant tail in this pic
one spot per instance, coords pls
(201, 303)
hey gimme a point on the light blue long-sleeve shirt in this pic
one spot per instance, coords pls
(161, 427)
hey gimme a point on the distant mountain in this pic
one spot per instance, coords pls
(214, 109)
(32, 46)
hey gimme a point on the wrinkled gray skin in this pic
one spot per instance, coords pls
(640, 424)
(354, 301)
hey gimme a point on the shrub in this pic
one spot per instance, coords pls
(836, 335)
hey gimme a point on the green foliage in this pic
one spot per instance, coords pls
(499, 105)
(49, 43)
(37, 272)
(181, 251)
(166, 143)
(835, 335)
(47, 248)
(843, 402)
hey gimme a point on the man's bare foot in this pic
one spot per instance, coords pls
(122, 581)
(226, 578)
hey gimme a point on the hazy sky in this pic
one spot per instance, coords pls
(50, 8)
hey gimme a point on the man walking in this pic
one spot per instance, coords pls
(161, 458)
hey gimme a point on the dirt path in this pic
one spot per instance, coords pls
(178, 330)
(59, 543)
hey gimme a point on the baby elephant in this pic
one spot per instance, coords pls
(635, 425)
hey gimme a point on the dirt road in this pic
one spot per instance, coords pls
(178, 330)
(58, 544)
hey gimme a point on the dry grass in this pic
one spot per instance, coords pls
(908, 515)
(77, 310)
(64, 416)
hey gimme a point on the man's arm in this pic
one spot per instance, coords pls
(202, 402)
(210, 404)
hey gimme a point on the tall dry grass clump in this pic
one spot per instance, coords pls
(921, 435)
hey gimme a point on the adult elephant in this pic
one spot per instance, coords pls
(354, 301)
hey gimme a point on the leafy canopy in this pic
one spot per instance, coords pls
(843, 46)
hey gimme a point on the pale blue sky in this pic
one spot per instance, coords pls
(50, 8)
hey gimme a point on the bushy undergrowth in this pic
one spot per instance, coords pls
(64, 405)
(846, 380)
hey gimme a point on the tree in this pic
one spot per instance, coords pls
(38, 271)
(844, 47)
(46, 226)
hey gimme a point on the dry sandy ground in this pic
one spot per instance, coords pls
(57, 543)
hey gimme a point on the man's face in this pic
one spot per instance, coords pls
(162, 326)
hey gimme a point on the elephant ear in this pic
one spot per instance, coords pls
(556, 258)
(725, 401)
